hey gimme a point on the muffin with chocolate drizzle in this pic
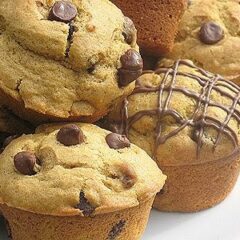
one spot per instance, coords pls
(76, 181)
(65, 60)
(187, 119)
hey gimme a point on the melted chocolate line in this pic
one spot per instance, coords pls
(199, 119)
(192, 94)
(227, 119)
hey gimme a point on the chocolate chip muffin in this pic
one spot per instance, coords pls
(209, 35)
(11, 126)
(75, 182)
(65, 60)
(156, 22)
(187, 119)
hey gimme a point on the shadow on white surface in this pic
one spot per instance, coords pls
(219, 223)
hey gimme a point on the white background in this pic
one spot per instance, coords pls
(219, 223)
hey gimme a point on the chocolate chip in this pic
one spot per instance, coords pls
(127, 175)
(63, 11)
(25, 162)
(189, 3)
(91, 69)
(116, 230)
(84, 205)
(70, 135)
(117, 141)
(132, 65)
(129, 30)
(211, 33)
(71, 30)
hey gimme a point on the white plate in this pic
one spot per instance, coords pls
(219, 223)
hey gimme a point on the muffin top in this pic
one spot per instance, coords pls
(209, 35)
(66, 59)
(181, 115)
(76, 169)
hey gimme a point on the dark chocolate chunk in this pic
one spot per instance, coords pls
(116, 230)
(91, 69)
(63, 11)
(132, 65)
(211, 33)
(128, 176)
(84, 205)
(129, 180)
(117, 141)
(129, 30)
(24, 162)
(70, 135)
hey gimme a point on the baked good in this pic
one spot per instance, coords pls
(11, 125)
(59, 58)
(156, 22)
(209, 36)
(187, 119)
(76, 181)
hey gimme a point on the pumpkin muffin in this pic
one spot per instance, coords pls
(65, 60)
(209, 35)
(187, 119)
(156, 21)
(76, 182)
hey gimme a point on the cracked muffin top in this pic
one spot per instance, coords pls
(66, 59)
(181, 115)
(209, 35)
(76, 169)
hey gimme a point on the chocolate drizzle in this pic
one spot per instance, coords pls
(199, 119)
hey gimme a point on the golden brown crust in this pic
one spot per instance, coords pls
(127, 224)
(203, 186)
(36, 118)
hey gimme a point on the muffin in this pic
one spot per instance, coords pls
(65, 60)
(11, 126)
(209, 36)
(156, 22)
(76, 181)
(187, 119)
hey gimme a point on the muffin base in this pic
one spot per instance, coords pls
(128, 224)
(197, 187)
